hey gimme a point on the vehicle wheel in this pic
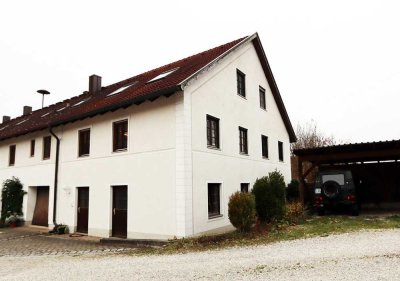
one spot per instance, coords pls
(355, 211)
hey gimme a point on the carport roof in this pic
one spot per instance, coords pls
(348, 153)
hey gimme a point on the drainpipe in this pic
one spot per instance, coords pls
(55, 175)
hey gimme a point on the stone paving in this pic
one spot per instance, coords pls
(27, 241)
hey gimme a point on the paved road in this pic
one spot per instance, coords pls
(26, 241)
(369, 255)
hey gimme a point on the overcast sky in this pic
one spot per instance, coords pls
(335, 62)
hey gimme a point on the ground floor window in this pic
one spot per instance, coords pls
(214, 204)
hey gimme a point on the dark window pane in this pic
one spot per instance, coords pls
(264, 144)
(212, 131)
(83, 197)
(213, 200)
(84, 142)
(241, 83)
(280, 150)
(120, 135)
(244, 187)
(262, 98)
(46, 147)
(32, 148)
(121, 197)
(11, 159)
(243, 140)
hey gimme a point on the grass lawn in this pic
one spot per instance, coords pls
(309, 227)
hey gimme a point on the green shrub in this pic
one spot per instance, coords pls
(12, 196)
(241, 210)
(269, 195)
(292, 191)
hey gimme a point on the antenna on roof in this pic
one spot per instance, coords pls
(43, 92)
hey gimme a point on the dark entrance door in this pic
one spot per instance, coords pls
(41, 212)
(119, 211)
(83, 209)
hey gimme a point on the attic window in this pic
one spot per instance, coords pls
(119, 90)
(23, 121)
(162, 75)
(80, 102)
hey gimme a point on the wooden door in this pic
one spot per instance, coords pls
(120, 211)
(83, 209)
(41, 212)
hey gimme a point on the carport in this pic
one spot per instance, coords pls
(375, 167)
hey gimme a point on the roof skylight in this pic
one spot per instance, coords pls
(23, 121)
(61, 109)
(82, 101)
(162, 75)
(44, 115)
(3, 128)
(119, 90)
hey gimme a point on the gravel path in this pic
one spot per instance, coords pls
(367, 255)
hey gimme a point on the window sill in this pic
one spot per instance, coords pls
(244, 153)
(213, 147)
(240, 96)
(44, 159)
(265, 158)
(120, 150)
(83, 156)
(215, 217)
(264, 109)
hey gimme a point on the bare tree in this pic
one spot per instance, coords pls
(309, 136)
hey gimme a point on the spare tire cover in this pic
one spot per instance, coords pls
(331, 189)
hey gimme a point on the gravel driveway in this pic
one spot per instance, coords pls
(367, 255)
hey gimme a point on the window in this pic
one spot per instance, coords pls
(120, 135)
(11, 159)
(264, 146)
(243, 147)
(214, 200)
(241, 83)
(244, 187)
(84, 142)
(280, 150)
(32, 148)
(262, 98)
(46, 147)
(212, 132)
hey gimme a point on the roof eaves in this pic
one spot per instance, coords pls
(116, 106)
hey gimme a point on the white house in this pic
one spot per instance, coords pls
(155, 156)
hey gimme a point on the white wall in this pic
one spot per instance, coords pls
(147, 168)
(32, 171)
(216, 94)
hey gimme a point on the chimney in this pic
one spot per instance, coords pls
(94, 83)
(27, 110)
(6, 119)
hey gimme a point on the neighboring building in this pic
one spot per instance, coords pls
(156, 155)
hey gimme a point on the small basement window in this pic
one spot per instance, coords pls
(162, 75)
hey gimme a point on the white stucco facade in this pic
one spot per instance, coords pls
(167, 165)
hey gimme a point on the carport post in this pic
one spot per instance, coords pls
(301, 180)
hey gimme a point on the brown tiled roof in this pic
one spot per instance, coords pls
(91, 104)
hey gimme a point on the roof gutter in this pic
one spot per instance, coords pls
(55, 175)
